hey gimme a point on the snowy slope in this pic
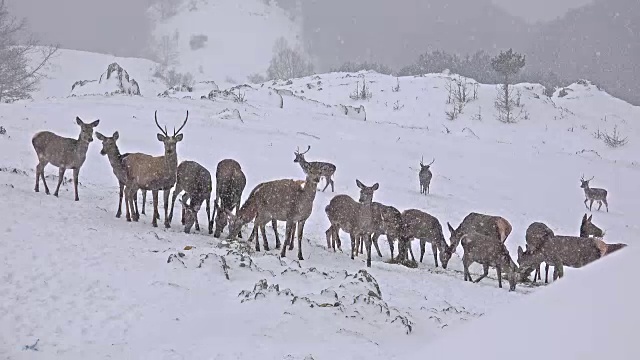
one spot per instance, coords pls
(585, 318)
(88, 285)
(240, 37)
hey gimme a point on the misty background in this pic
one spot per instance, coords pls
(564, 39)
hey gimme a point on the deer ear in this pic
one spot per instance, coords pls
(590, 217)
(179, 137)
(450, 228)
(360, 185)
(116, 135)
(584, 218)
(95, 123)
(78, 120)
(375, 186)
(161, 137)
(99, 136)
(520, 251)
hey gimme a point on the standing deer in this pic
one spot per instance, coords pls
(110, 149)
(64, 153)
(420, 225)
(154, 173)
(588, 229)
(281, 200)
(593, 194)
(325, 169)
(355, 218)
(487, 251)
(195, 181)
(230, 183)
(387, 221)
(425, 176)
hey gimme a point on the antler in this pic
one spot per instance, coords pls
(431, 163)
(158, 125)
(183, 124)
(422, 161)
(308, 148)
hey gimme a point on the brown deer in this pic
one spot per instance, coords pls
(494, 226)
(537, 233)
(418, 224)
(325, 169)
(425, 176)
(110, 149)
(589, 229)
(230, 183)
(593, 194)
(282, 200)
(487, 251)
(387, 221)
(154, 173)
(195, 180)
(63, 153)
(355, 218)
(247, 212)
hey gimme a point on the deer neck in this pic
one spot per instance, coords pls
(115, 158)
(171, 164)
(365, 215)
(304, 165)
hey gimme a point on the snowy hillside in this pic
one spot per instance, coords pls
(79, 283)
(226, 39)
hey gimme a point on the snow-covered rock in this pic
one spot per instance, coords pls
(114, 81)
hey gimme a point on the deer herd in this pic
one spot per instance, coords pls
(482, 236)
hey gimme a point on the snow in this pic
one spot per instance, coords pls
(85, 284)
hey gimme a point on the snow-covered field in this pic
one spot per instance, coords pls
(84, 284)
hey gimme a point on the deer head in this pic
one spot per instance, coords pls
(86, 130)
(588, 229)
(585, 183)
(426, 167)
(456, 235)
(366, 192)
(190, 213)
(299, 155)
(170, 142)
(109, 145)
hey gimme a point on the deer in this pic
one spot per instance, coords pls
(593, 194)
(325, 169)
(63, 153)
(110, 149)
(589, 229)
(247, 212)
(387, 221)
(425, 176)
(490, 225)
(230, 183)
(282, 200)
(537, 233)
(154, 173)
(195, 180)
(487, 251)
(418, 224)
(355, 218)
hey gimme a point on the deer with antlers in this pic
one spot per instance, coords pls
(425, 176)
(324, 169)
(64, 153)
(154, 173)
(593, 194)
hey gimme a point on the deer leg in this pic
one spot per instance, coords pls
(156, 215)
(327, 181)
(293, 233)
(238, 209)
(360, 245)
(606, 204)
(585, 203)
(546, 273)
(119, 212)
(374, 240)
(590, 204)
(390, 240)
(254, 234)
(354, 249)
(331, 183)
(411, 251)
(558, 271)
(126, 204)
(173, 201)
(434, 249)
(465, 266)
(167, 222)
(422, 248)
(209, 218)
(197, 224)
(599, 204)
(484, 273)
(60, 179)
(288, 236)
(144, 200)
(274, 225)
(76, 174)
(499, 270)
(328, 234)
(428, 188)
(336, 239)
(300, 233)
(39, 170)
(367, 241)
(265, 242)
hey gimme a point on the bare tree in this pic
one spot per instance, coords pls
(167, 51)
(507, 64)
(168, 8)
(21, 64)
(287, 63)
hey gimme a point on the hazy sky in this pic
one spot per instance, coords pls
(539, 10)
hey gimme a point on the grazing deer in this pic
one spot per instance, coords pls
(536, 235)
(420, 225)
(325, 169)
(247, 212)
(355, 218)
(387, 221)
(593, 194)
(281, 200)
(195, 180)
(110, 149)
(425, 176)
(64, 153)
(230, 183)
(486, 251)
(589, 229)
(494, 226)
(154, 173)
(560, 251)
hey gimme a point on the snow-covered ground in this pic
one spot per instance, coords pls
(84, 284)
